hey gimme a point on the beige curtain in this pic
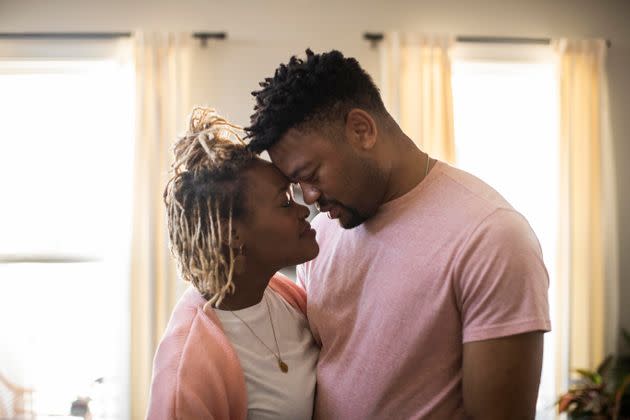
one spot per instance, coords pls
(416, 89)
(162, 67)
(587, 282)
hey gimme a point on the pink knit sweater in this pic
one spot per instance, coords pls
(196, 372)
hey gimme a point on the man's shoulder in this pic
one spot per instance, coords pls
(467, 189)
(505, 229)
(457, 202)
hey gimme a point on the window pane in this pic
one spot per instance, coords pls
(64, 326)
(506, 133)
(66, 142)
(65, 138)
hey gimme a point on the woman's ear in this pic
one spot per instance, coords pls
(235, 240)
(360, 129)
(236, 243)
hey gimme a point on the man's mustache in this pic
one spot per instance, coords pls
(324, 203)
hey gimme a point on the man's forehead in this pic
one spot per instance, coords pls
(290, 153)
(291, 140)
(292, 164)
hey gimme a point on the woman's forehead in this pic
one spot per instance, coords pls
(266, 179)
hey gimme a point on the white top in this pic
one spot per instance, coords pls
(272, 394)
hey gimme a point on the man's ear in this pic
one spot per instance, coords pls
(360, 129)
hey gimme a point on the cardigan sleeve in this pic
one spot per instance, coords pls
(290, 291)
(198, 376)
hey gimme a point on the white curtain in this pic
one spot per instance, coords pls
(588, 279)
(162, 76)
(416, 88)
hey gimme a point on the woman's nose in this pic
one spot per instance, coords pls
(309, 193)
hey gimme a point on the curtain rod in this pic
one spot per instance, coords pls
(45, 258)
(202, 36)
(376, 37)
(64, 35)
(373, 37)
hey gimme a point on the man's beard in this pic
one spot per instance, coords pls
(372, 178)
(354, 220)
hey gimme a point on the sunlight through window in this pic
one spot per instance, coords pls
(66, 142)
(506, 133)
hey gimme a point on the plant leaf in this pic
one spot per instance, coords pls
(594, 377)
(603, 366)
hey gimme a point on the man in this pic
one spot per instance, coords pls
(429, 295)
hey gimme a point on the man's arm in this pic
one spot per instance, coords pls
(501, 377)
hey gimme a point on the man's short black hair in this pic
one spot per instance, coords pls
(322, 86)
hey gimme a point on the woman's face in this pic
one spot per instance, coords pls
(274, 231)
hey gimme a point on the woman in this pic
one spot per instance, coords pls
(237, 345)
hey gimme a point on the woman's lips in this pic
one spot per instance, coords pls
(307, 230)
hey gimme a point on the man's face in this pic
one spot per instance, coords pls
(331, 173)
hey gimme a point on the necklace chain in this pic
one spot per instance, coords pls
(281, 364)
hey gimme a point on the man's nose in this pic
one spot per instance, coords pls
(309, 193)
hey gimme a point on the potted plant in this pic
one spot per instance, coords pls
(601, 394)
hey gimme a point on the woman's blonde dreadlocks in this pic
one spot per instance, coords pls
(203, 196)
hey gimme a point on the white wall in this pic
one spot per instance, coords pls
(264, 33)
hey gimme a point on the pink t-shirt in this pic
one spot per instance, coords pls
(393, 300)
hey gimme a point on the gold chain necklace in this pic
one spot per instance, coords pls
(283, 366)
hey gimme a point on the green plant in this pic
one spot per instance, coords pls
(603, 393)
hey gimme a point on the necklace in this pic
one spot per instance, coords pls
(283, 366)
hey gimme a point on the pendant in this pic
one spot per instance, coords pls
(283, 366)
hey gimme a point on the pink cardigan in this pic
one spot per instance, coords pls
(196, 372)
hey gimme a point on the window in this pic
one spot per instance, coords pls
(66, 149)
(506, 129)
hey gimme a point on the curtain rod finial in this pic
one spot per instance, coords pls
(374, 38)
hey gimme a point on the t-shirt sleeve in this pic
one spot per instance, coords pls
(501, 279)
